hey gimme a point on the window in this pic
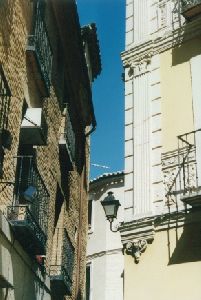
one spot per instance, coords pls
(89, 214)
(88, 282)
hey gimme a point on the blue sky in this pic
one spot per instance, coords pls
(107, 146)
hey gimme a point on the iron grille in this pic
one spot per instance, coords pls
(185, 181)
(68, 259)
(187, 4)
(20, 215)
(5, 96)
(30, 190)
(39, 42)
(189, 171)
(63, 268)
(190, 8)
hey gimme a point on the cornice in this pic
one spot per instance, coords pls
(145, 229)
(158, 44)
(105, 180)
(137, 229)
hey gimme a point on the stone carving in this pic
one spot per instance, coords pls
(163, 14)
(136, 248)
(142, 67)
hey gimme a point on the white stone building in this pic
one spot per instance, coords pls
(104, 251)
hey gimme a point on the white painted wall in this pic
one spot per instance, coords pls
(104, 250)
(148, 19)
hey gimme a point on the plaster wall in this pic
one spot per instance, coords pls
(104, 249)
(19, 270)
(101, 238)
(176, 92)
(169, 268)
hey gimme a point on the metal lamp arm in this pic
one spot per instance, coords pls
(111, 228)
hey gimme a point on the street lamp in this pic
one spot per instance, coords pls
(110, 206)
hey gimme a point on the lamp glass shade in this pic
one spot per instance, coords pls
(110, 206)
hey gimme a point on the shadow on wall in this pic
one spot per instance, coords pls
(6, 22)
(185, 52)
(105, 188)
(181, 51)
(1, 271)
(188, 246)
(79, 296)
(23, 284)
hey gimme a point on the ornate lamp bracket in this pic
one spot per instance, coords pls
(136, 248)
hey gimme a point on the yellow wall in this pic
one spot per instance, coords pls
(177, 111)
(167, 272)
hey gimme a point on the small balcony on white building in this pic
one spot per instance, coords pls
(190, 8)
(184, 183)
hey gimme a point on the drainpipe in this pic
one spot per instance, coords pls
(94, 125)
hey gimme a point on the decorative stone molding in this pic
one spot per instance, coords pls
(136, 248)
(142, 67)
(162, 13)
(142, 229)
(160, 43)
(136, 243)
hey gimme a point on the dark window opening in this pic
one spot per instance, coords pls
(58, 205)
(89, 213)
(88, 282)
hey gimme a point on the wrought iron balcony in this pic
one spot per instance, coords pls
(34, 127)
(67, 139)
(185, 185)
(29, 211)
(5, 95)
(5, 136)
(39, 50)
(61, 271)
(190, 8)
(191, 175)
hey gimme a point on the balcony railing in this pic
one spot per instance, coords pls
(190, 8)
(61, 272)
(39, 50)
(29, 211)
(67, 137)
(5, 96)
(186, 184)
(5, 137)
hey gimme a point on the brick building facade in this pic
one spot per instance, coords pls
(46, 116)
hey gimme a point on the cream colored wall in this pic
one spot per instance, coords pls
(176, 92)
(19, 270)
(156, 278)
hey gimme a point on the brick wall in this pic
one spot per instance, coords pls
(15, 25)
